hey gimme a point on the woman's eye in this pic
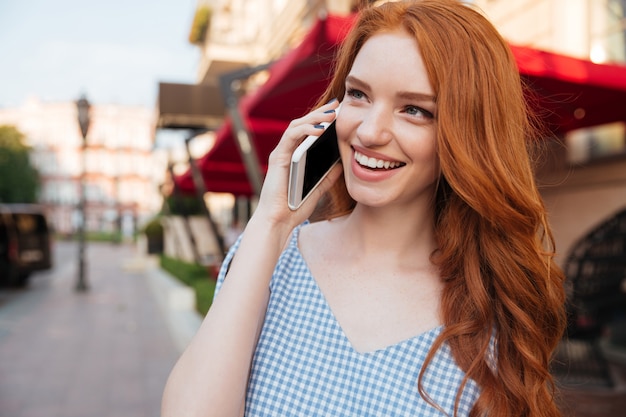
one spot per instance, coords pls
(357, 94)
(418, 111)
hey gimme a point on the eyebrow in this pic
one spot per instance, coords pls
(410, 95)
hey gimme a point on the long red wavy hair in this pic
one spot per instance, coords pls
(503, 298)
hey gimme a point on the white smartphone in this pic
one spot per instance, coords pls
(310, 163)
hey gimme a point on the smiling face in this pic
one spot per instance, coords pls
(387, 124)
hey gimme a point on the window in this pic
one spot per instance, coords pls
(585, 145)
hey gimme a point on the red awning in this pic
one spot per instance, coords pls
(568, 93)
(295, 83)
(572, 93)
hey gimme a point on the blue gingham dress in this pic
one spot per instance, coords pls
(304, 365)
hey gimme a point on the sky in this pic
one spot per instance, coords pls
(112, 51)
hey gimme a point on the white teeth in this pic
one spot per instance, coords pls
(373, 162)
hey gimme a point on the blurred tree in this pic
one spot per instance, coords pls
(19, 180)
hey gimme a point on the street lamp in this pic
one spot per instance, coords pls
(82, 105)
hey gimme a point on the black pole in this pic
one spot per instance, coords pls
(82, 106)
(81, 284)
(200, 186)
(243, 137)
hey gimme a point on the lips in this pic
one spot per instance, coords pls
(376, 163)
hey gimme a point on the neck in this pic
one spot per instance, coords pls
(391, 231)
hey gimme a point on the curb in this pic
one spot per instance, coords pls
(177, 302)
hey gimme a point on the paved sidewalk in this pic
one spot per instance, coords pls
(103, 353)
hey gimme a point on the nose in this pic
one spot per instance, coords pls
(375, 128)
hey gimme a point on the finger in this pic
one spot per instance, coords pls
(297, 133)
(292, 137)
(323, 114)
(299, 129)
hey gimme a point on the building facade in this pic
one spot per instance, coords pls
(122, 172)
(583, 174)
(589, 29)
(244, 33)
(584, 169)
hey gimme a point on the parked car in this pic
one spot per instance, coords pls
(25, 243)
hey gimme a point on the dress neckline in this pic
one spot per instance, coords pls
(430, 333)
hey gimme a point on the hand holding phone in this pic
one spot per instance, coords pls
(311, 162)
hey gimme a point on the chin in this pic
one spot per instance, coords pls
(369, 198)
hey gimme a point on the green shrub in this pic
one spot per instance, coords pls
(92, 236)
(195, 276)
(153, 228)
(114, 237)
(204, 294)
(154, 235)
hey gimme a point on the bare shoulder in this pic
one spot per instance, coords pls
(313, 231)
(318, 241)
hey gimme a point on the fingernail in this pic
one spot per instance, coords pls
(332, 100)
(329, 111)
(318, 126)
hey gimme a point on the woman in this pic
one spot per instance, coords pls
(428, 286)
